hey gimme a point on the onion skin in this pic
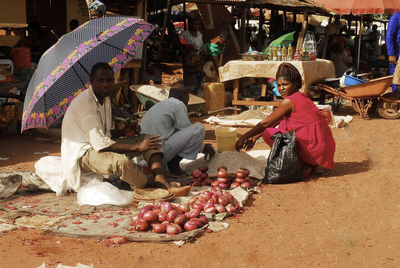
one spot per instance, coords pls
(223, 200)
(239, 180)
(174, 229)
(224, 185)
(166, 207)
(197, 222)
(184, 207)
(204, 176)
(135, 218)
(203, 169)
(245, 184)
(210, 210)
(162, 217)
(216, 190)
(171, 216)
(208, 205)
(190, 226)
(192, 200)
(181, 220)
(230, 208)
(141, 225)
(194, 213)
(203, 219)
(222, 167)
(150, 216)
(145, 209)
(235, 185)
(222, 174)
(223, 180)
(220, 208)
(239, 174)
(159, 228)
(215, 183)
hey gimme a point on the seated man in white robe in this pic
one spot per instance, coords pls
(170, 120)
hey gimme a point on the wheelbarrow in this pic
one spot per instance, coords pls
(369, 96)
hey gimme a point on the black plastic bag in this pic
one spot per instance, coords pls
(283, 162)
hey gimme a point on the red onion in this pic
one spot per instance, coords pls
(204, 176)
(197, 183)
(215, 183)
(246, 178)
(205, 196)
(166, 207)
(245, 184)
(236, 206)
(203, 219)
(184, 207)
(141, 224)
(193, 180)
(222, 167)
(159, 228)
(235, 185)
(203, 169)
(245, 171)
(251, 182)
(203, 183)
(239, 174)
(223, 185)
(194, 213)
(240, 180)
(181, 219)
(210, 210)
(165, 223)
(214, 198)
(157, 205)
(230, 197)
(150, 216)
(174, 229)
(134, 218)
(145, 209)
(192, 200)
(198, 206)
(196, 173)
(230, 208)
(222, 173)
(209, 181)
(197, 222)
(223, 200)
(220, 208)
(216, 190)
(162, 217)
(208, 205)
(223, 180)
(171, 216)
(190, 226)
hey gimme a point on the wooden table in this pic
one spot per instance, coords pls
(14, 89)
(311, 72)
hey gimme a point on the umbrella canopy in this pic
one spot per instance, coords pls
(362, 6)
(63, 71)
(285, 39)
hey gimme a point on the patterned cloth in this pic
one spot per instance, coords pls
(98, 7)
(341, 62)
(393, 41)
(192, 63)
(396, 75)
(213, 49)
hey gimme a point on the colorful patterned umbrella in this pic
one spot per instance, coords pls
(63, 71)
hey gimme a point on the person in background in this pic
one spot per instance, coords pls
(89, 143)
(393, 43)
(340, 59)
(217, 46)
(97, 10)
(374, 38)
(73, 24)
(182, 139)
(190, 42)
(34, 41)
(314, 141)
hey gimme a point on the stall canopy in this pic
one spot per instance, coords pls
(362, 6)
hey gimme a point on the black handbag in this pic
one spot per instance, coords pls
(283, 162)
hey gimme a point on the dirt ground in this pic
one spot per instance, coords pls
(344, 218)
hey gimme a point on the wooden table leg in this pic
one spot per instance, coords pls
(264, 87)
(235, 91)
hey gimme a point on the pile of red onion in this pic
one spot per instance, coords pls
(165, 217)
(214, 201)
(243, 179)
(200, 177)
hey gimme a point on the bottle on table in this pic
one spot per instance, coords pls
(275, 53)
(289, 56)
(279, 53)
(271, 53)
(284, 53)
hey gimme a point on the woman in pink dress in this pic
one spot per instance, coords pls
(314, 141)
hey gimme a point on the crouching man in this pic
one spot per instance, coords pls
(182, 139)
(87, 139)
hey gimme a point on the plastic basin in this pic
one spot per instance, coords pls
(352, 81)
(226, 138)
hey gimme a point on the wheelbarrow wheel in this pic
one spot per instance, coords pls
(370, 110)
(389, 110)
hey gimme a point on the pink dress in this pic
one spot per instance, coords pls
(314, 139)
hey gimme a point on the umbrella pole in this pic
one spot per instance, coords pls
(359, 43)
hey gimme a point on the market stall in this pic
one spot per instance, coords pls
(311, 72)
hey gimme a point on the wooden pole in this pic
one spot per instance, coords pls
(166, 18)
(184, 15)
(326, 38)
(260, 29)
(303, 31)
(243, 31)
(359, 44)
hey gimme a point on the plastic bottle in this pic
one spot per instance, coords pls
(309, 43)
(304, 53)
(289, 56)
(284, 53)
(271, 53)
(279, 53)
(275, 54)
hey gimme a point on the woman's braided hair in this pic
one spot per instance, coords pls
(289, 71)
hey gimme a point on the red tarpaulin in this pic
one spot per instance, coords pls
(362, 6)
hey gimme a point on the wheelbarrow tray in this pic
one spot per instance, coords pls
(373, 88)
(195, 103)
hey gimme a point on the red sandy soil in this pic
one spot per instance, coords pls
(344, 218)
